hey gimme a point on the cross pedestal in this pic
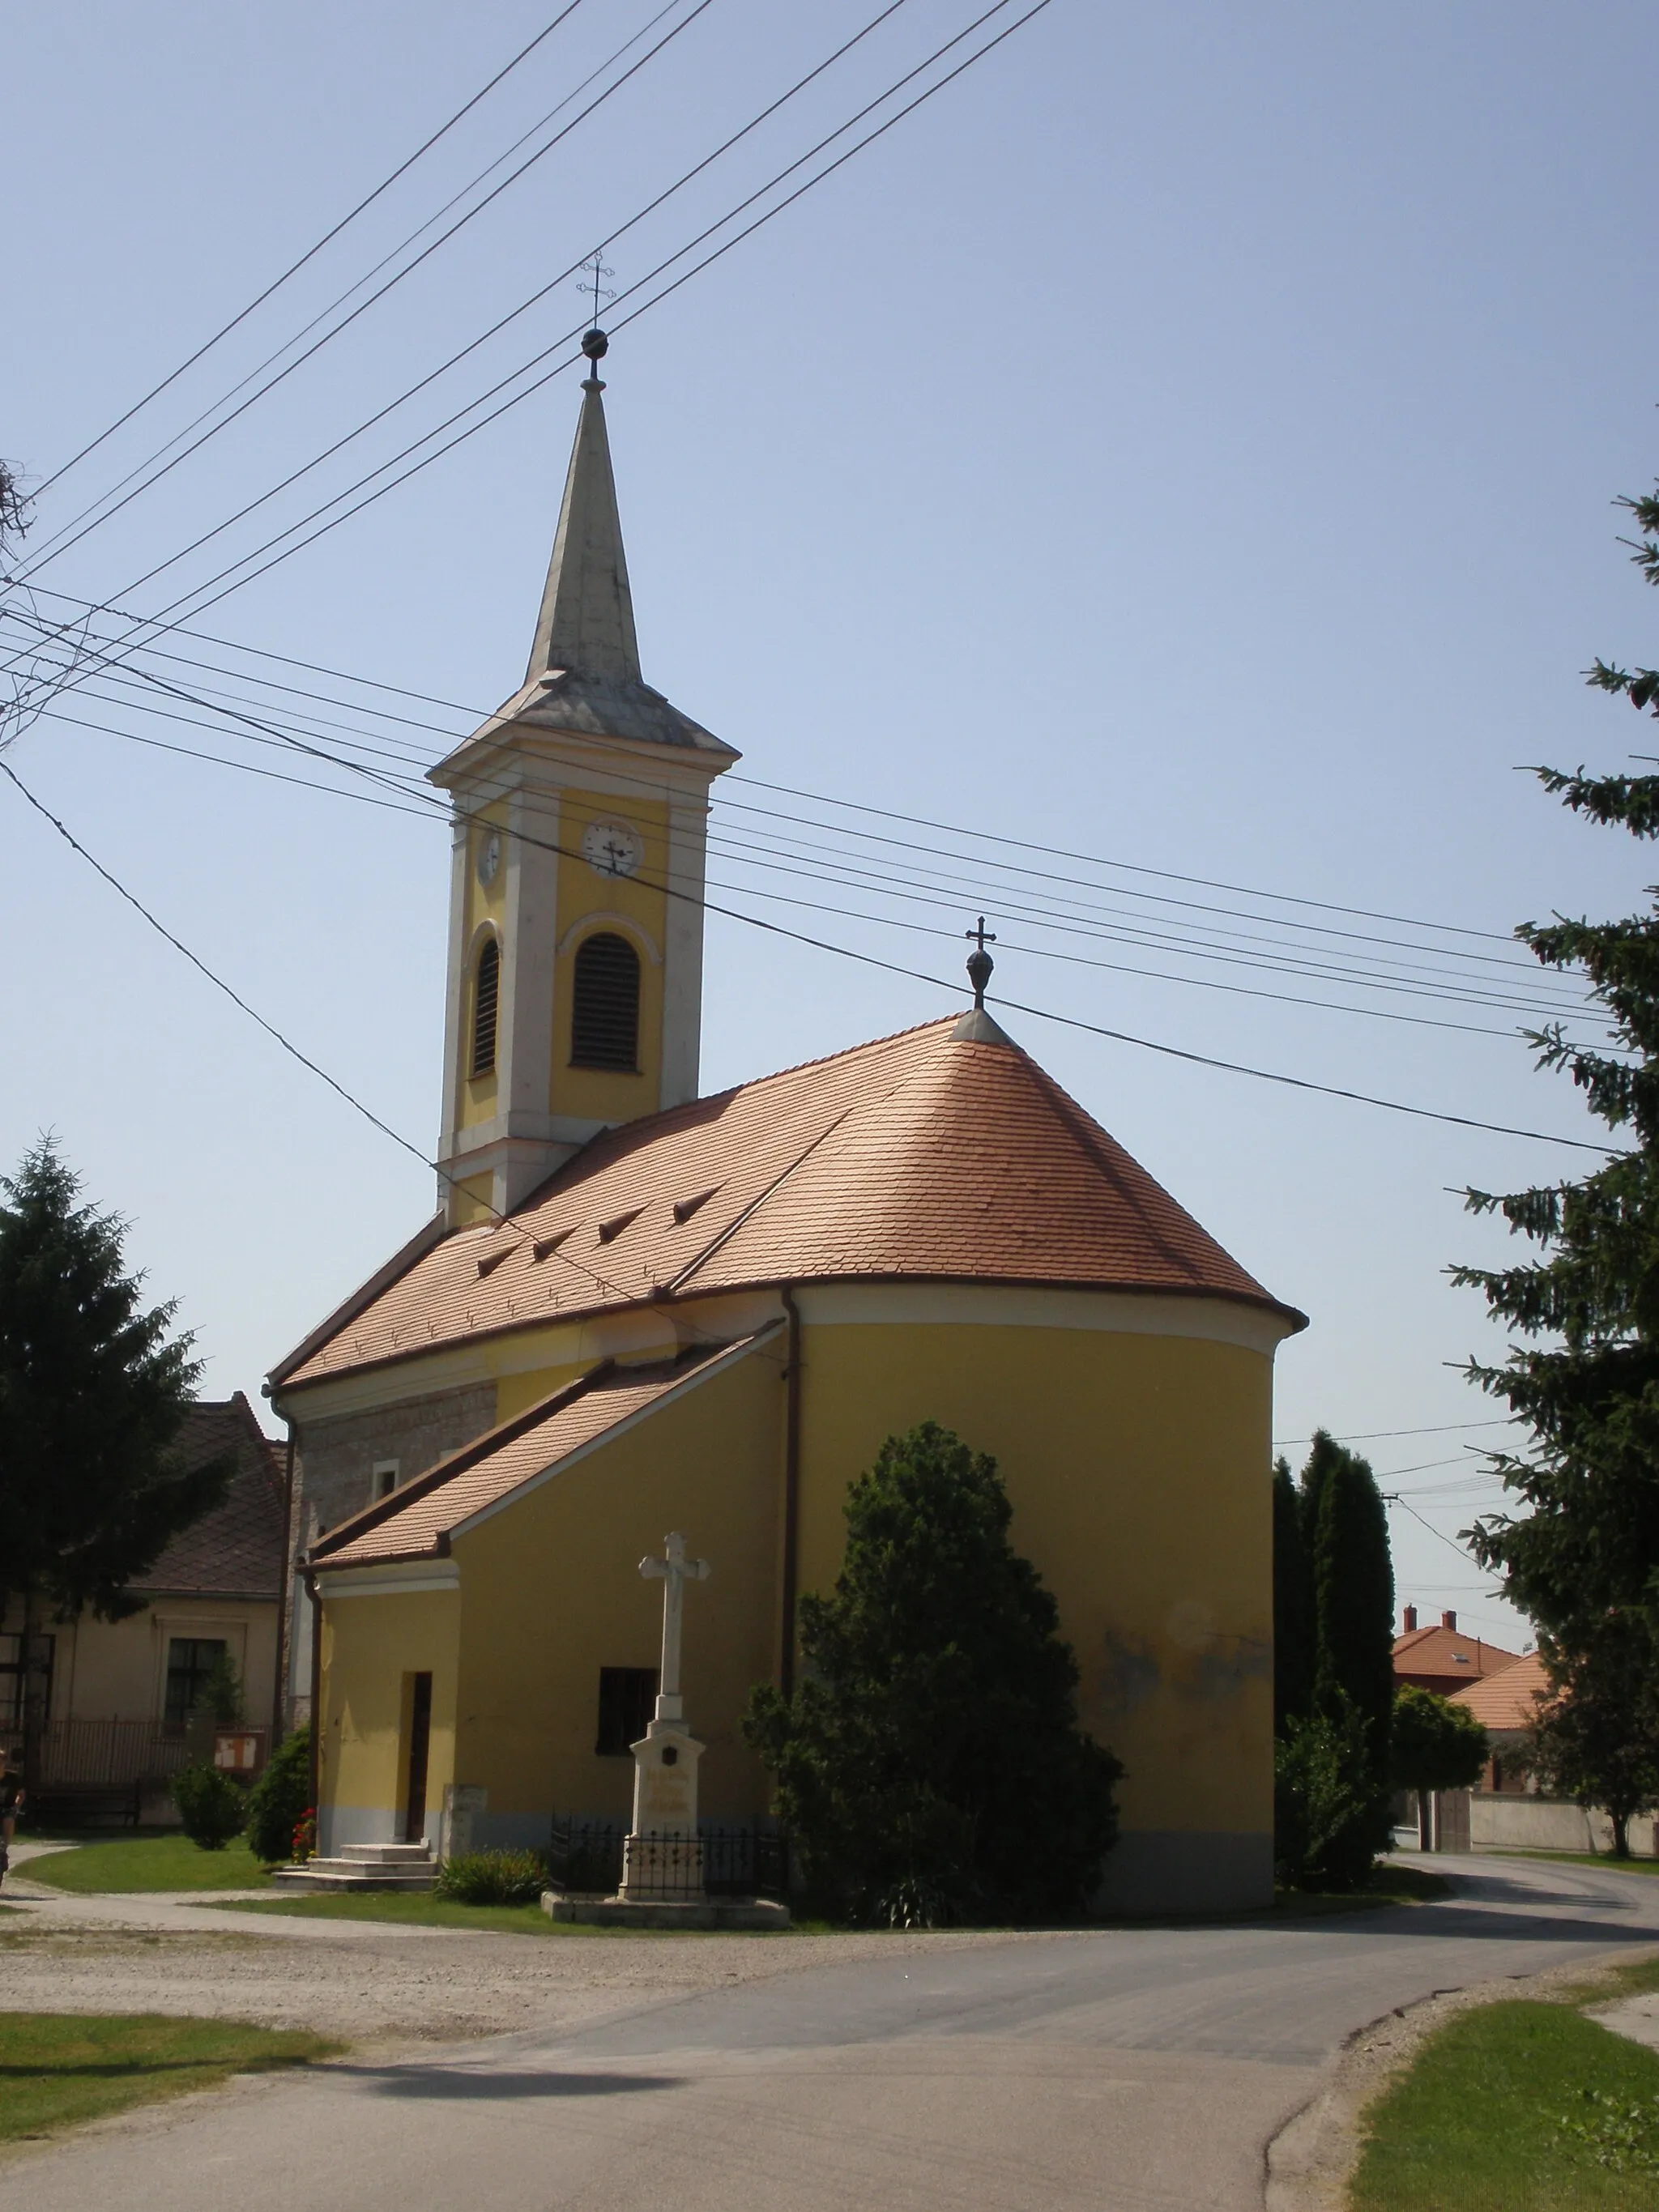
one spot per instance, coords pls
(662, 1858)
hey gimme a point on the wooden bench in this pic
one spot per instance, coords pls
(85, 1805)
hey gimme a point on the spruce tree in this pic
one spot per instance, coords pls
(93, 1391)
(1580, 1542)
(930, 1766)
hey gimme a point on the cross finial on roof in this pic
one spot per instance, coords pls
(979, 962)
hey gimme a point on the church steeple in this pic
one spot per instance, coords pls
(575, 949)
(586, 621)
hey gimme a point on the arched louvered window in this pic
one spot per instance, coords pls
(604, 1014)
(486, 998)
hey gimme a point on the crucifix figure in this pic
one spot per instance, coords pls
(673, 1570)
(979, 962)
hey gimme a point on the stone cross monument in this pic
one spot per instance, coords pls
(662, 1859)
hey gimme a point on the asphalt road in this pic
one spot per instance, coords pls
(1125, 2070)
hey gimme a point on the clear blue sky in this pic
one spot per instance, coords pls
(1190, 439)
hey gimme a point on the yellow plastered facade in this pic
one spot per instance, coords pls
(482, 913)
(371, 1647)
(633, 907)
(1137, 1465)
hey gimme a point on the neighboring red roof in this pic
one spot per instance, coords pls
(1510, 1700)
(417, 1520)
(237, 1548)
(921, 1156)
(1446, 1654)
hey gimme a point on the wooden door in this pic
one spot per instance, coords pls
(420, 1740)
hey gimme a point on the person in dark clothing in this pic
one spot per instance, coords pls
(11, 1804)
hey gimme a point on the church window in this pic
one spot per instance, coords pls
(486, 996)
(605, 1019)
(628, 1699)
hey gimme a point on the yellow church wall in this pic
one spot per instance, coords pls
(1138, 1467)
(371, 1645)
(553, 1592)
(636, 908)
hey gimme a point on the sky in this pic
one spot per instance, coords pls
(1187, 442)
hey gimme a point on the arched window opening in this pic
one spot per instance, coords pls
(486, 997)
(605, 1015)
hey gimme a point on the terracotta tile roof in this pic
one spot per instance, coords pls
(1509, 1701)
(1449, 1655)
(417, 1521)
(238, 1547)
(916, 1156)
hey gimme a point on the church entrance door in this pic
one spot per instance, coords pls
(420, 1741)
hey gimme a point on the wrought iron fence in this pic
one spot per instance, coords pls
(107, 1753)
(588, 1855)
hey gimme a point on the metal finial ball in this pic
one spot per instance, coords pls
(596, 345)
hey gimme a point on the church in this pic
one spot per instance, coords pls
(640, 1310)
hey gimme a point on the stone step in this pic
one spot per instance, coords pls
(342, 1873)
(391, 1853)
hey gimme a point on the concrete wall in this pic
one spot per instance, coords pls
(1509, 1820)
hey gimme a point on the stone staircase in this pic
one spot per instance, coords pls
(363, 1866)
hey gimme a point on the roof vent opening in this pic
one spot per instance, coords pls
(610, 1230)
(490, 1261)
(544, 1247)
(685, 1208)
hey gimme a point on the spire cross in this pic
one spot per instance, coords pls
(673, 1570)
(979, 962)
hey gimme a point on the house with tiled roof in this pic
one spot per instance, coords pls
(120, 1692)
(1442, 1657)
(640, 1309)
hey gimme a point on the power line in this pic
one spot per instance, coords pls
(1372, 1435)
(523, 308)
(408, 269)
(726, 246)
(312, 251)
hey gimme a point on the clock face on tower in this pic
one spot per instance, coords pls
(489, 859)
(613, 848)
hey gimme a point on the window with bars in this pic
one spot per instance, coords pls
(486, 999)
(605, 1013)
(628, 1699)
(190, 1659)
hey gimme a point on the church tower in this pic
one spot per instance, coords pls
(575, 935)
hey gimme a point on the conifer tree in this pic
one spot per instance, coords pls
(1583, 1375)
(93, 1391)
(930, 1767)
(1352, 1594)
(1292, 1592)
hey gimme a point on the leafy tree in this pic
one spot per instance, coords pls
(1326, 1816)
(1597, 1741)
(930, 1767)
(211, 1805)
(1435, 1745)
(1292, 1598)
(279, 1798)
(93, 1391)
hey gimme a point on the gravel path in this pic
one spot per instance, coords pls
(373, 1985)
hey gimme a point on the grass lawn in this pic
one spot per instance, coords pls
(57, 2069)
(1476, 2124)
(160, 1861)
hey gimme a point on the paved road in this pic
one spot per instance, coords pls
(1125, 2070)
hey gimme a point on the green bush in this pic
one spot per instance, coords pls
(491, 1878)
(1330, 1819)
(211, 1806)
(279, 1800)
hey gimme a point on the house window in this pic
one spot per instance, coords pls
(385, 1477)
(605, 1016)
(486, 997)
(11, 1679)
(628, 1697)
(190, 1659)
